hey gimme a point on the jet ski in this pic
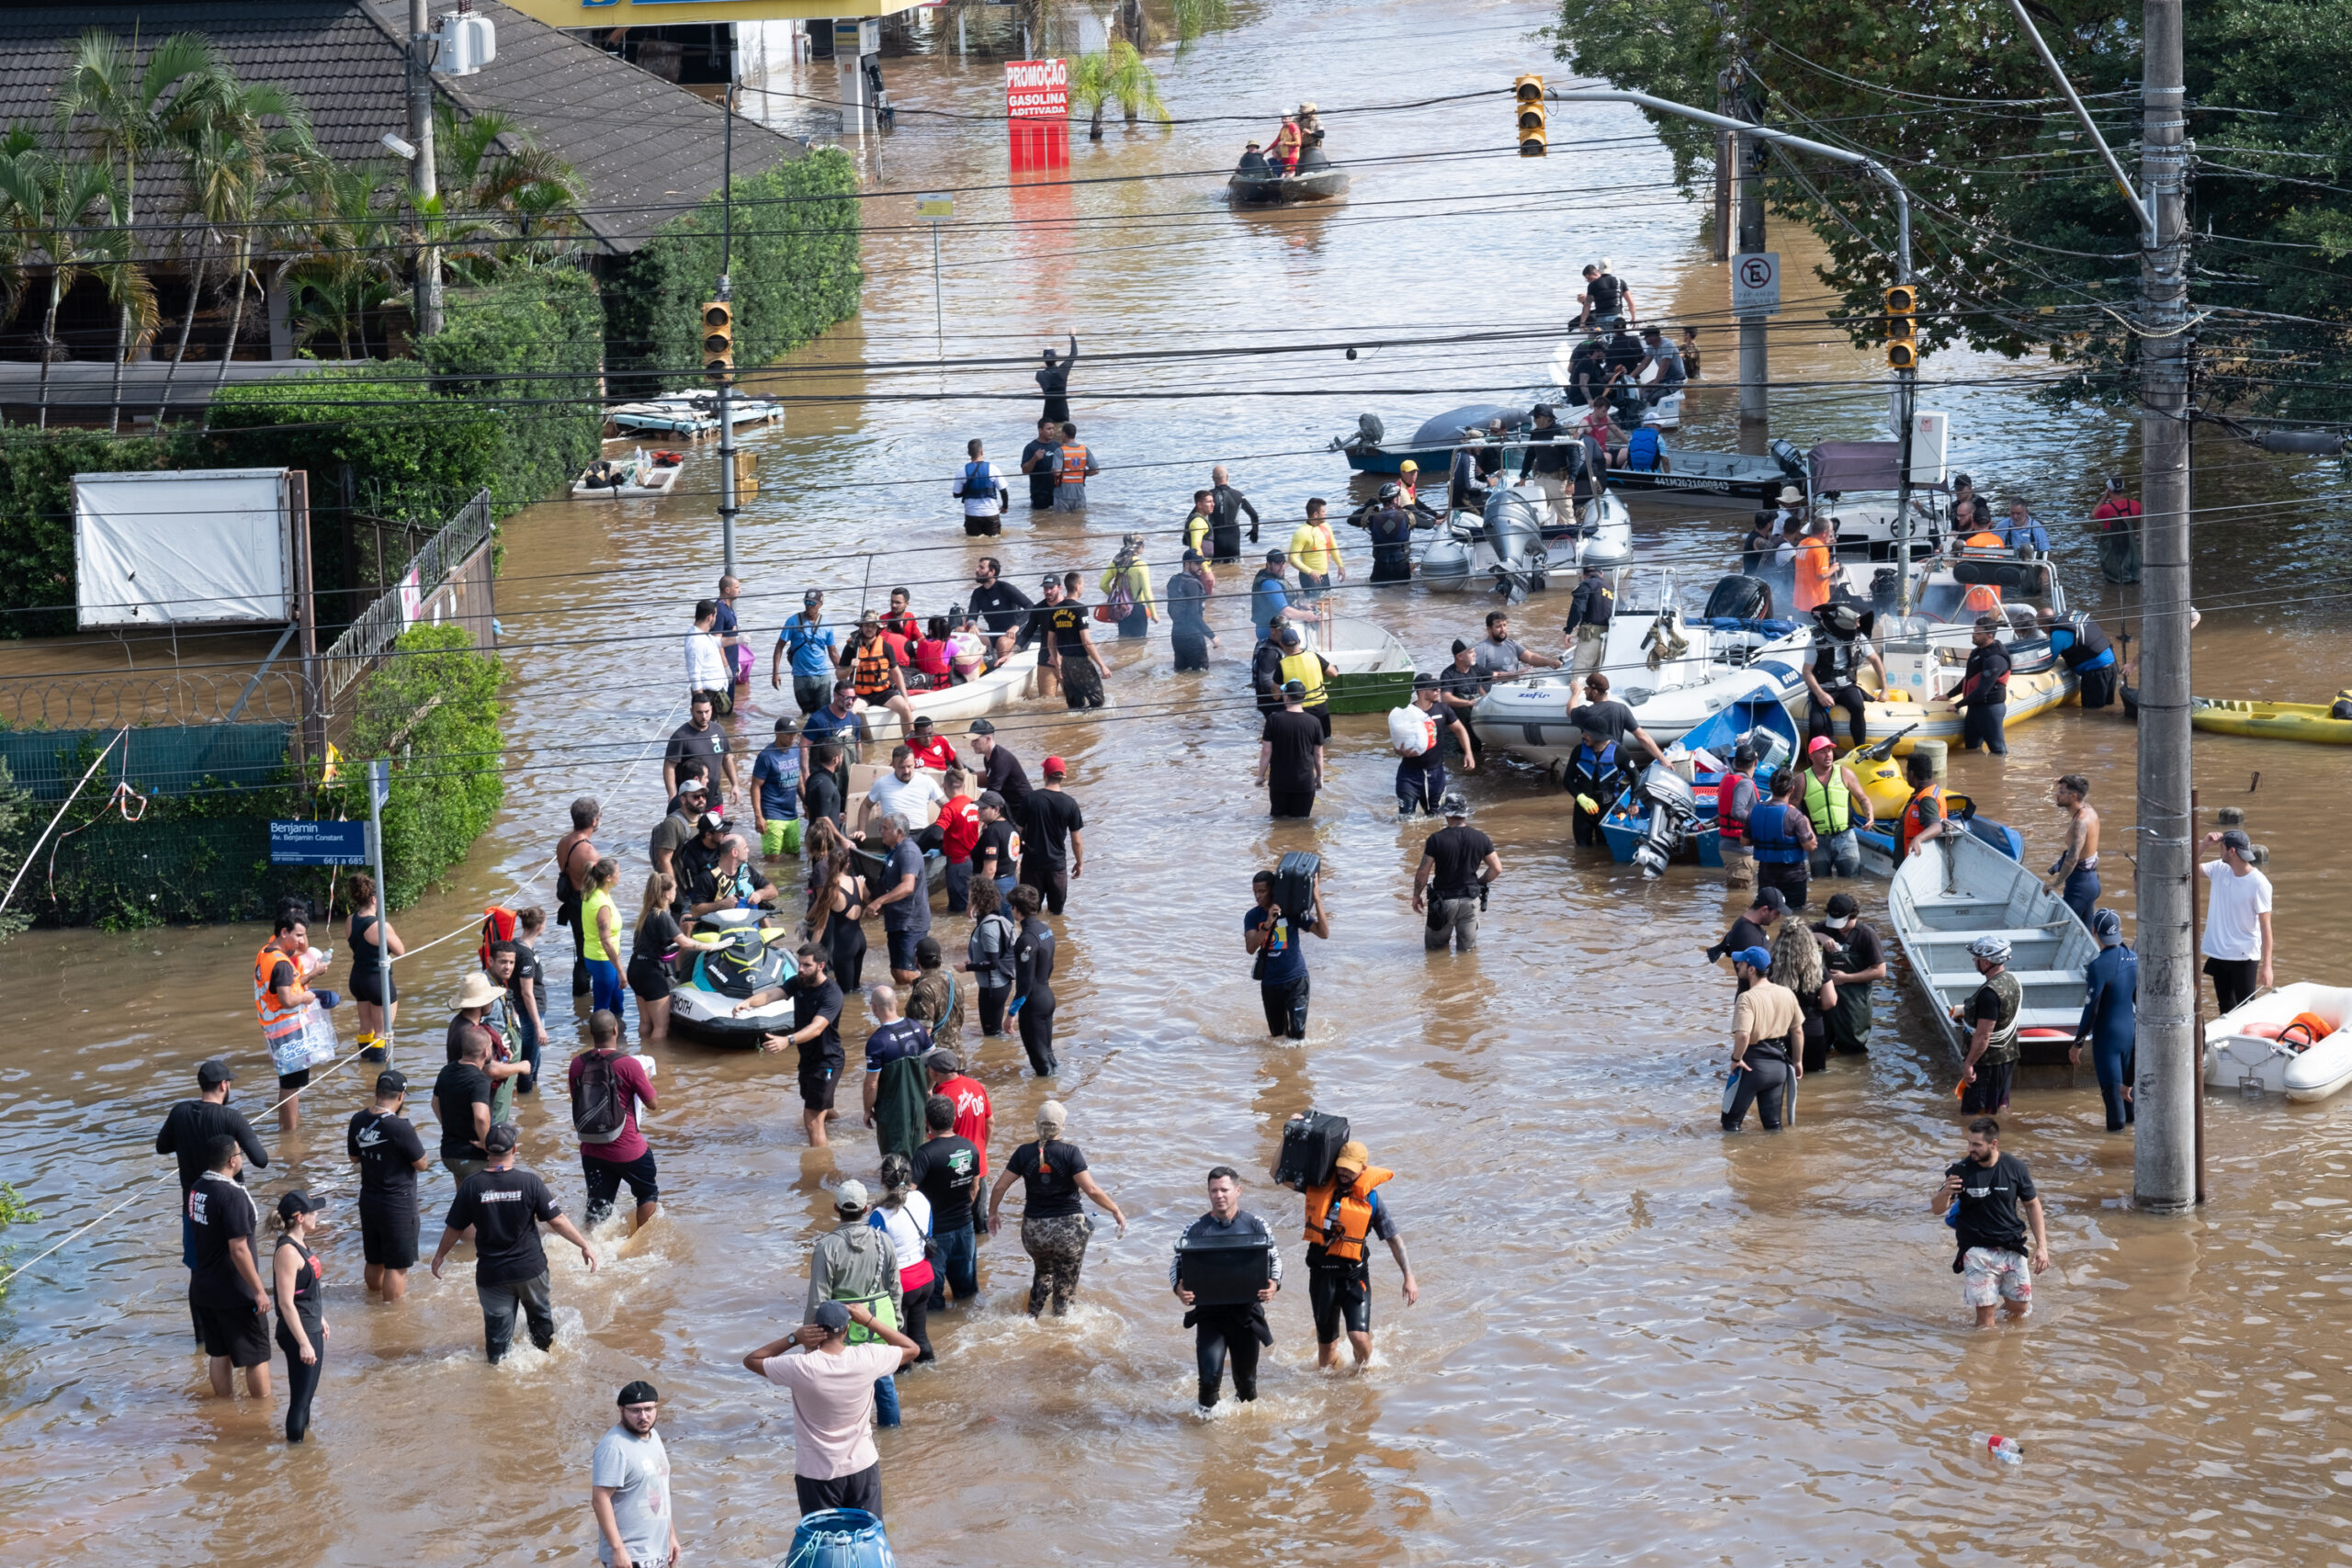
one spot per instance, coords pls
(728, 955)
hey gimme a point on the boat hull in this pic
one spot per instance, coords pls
(1959, 888)
(1374, 672)
(2306, 722)
(1284, 190)
(1940, 718)
(1013, 681)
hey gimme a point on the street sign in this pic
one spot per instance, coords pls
(1756, 284)
(935, 209)
(317, 843)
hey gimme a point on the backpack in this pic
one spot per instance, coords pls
(498, 924)
(599, 1115)
(1121, 603)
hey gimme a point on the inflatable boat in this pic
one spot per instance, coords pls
(2295, 1041)
(728, 956)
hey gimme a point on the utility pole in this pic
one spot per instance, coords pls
(1726, 148)
(2164, 1163)
(727, 507)
(1755, 369)
(422, 185)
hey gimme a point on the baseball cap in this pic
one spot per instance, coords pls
(1772, 898)
(1754, 957)
(710, 822)
(945, 1062)
(832, 1317)
(1289, 636)
(692, 786)
(2236, 840)
(979, 727)
(1424, 682)
(1275, 557)
(785, 727)
(814, 596)
(298, 1203)
(1539, 410)
(1409, 465)
(1842, 905)
(1050, 581)
(1821, 743)
(1294, 689)
(214, 1072)
(927, 947)
(850, 1198)
(990, 798)
(391, 1081)
(1055, 767)
(639, 1392)
(1192, 555)
(501, 1138)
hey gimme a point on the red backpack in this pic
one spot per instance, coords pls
(498, 924)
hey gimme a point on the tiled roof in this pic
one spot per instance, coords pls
(646, 148)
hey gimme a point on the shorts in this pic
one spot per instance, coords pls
(650, 979)
(780, 837)
(986, 528)
(1991, 1275)
(388, 1237)
(459, 1169)
(1341, 1297)
(235, 1331)
(364, 988)
(1989, 1095)
(604, 1177)
(288, 1082)
(902, 946)
(818, 1081)
(862, 1490)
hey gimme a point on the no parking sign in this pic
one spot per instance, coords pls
(1756, 284)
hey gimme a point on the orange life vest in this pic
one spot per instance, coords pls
(1355, 1214)
(2304, 1031)
(1913, 823)
(1985, 542)
(1074, 461)
(871, 674)
(279, 1022)
(1981, 600)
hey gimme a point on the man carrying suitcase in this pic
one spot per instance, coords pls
(1227, 1327)
(1343, 1213)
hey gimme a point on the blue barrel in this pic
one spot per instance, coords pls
(840, 1538)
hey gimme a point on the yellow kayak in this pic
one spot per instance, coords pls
(2272, 721)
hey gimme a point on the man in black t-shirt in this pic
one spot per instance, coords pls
(390, 1154)
(1752, 929)
(225, 1288)
(461, 1101)
(947, 1169)
(1458, 865)
(992, 857)
(187, 1134)
(1042, 460)
(1000, 606)
(1290, 755)
(1982, 1196)
(816, 1033)
(699, 737)
(1053, 849)
(504, 1207)
(999, 769)
(1854, 959)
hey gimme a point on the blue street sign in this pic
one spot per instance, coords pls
(317, 843)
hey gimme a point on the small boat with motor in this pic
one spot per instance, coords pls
(728, 955)
(692, 413)
(2323, 723)
(1014, 680)
(1369, 450)
(1267, 189)
(1712, 476)
(629, 478)
(2295, 1041)
(1959, 888)
(1515, 544)
(1637, 834)
(1926, 655)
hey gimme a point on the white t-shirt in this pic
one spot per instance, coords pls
(2231, 931)
(979, 480)
(909, 798)
(833, 1406)
(705, 672)
(906, 1227)
(637, 1470)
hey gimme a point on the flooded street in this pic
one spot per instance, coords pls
(1637, 1339)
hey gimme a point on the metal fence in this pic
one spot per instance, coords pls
(372, 635)
(107, 702)
(168, 760)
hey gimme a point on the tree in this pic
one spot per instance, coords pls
(338, 243)
(1116, 76)
(254, 185)
(520, 196)
(60, 208)
(134, 112)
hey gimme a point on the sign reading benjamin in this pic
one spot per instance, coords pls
(317, 843)
(1037, 89)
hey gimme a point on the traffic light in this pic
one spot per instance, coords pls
(718, 342)
(1903, 327)
(1529, 107)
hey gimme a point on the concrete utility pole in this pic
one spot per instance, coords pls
(2165, 1177)
(727, 507)
(1754, 366)
(1726, 151)
(421, 182)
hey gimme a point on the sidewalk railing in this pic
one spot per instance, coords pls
(372, 635)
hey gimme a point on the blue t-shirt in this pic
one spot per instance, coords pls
(776, 775)
(912, 913)
(1267, 598)
(824, 723)
(1285, 961)
(2028, 534)
(809, 645)
(726, 624)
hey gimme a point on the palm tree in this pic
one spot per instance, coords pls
(134, 109)
(512, 188)
(256, 184)
(1116, 76)
(337, 250)
(50, 204)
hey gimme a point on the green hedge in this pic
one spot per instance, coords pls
(37, 472)
(795, 272)
(524, 348)
(415, 454)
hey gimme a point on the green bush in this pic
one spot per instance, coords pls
(434, 711)
(526, 347)
(415, 454)
(19, 821)
(37, 472)
(795, 272)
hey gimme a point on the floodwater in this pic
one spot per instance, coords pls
(1637, 1339)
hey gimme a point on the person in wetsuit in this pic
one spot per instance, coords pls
(2110, 1005)
(1391, 528)
(1054, 382)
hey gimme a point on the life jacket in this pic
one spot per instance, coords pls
(2088, 648)
(871, 675)
(1355, 1214)
(1984, 599)
(1827, 805)
(1641, 450)
(2304, 1031)
(1592, 765)
(1307, 669)
(1074, 461)
(1985, 542)
(1731, 811)
(1839, 656)
(280, 1024)
(1769, 830)
(1913, 823)
(497, 925)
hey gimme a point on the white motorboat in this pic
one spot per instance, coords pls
(1927, 654)
(629, 478)
(1959, 888)
(1502, 552)
(1015, 679)
(2295, 1041)
(692, 413)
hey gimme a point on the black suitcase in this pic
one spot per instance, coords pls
(1226, 1270)
(1310, 1148)
(1295, 884)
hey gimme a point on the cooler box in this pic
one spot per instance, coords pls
(1226, 1270)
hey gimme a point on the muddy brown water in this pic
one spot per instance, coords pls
(1637, 1339)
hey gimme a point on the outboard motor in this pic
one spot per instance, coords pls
(1514, 530)
(1740, 599)
(1674, 817)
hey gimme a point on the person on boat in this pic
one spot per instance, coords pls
(1666, 359)
(1833, 803)
(1588, 371)
(1550, 457)
(1253, 164)
(602, 474)
(1852, 959)
(1689, 351)
(1922, 820)
(875, 677)
(2110, 1006)
(1465, 484)
(2084, 646)
(1624, 358)
(2022, 534)
(1990, 1015)
(1127, 582)
(1310, 121)
(1589, 613)
(1054, 382)
(1312, 159)
(1490, 452)
(2075, 875)
(1606, 299)
(1782, 837)
(1764, 1018)
(1756, 550)
(1815, 565)
(1984, 690)
(2116, 521)
(1284, 154)
(1841, 650)
(1598, 772)
(1391, 528)
(1644, 450)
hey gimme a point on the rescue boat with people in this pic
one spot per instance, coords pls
(1702, 759)
(637, 478)
(1369, 450)
(2295, 1041)
(1712, 476)
(728, 955)
(1012, 681)
(1958, 889)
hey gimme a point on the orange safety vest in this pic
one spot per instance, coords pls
(279, 1022)
(1913, 823)
(1355, 1214)
(1074, 461)
(871, 674)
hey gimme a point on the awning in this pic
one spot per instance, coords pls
(1842, 465)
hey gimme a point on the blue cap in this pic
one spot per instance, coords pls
(832, 1317)
(1754, 957)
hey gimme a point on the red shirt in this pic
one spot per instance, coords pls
(959, 826)
(971, 1110)
(931, 658)
(934, 752)
(629, 1081)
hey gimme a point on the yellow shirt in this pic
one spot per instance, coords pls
(1196, 533)
(1138, 586)
(1313, 549)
